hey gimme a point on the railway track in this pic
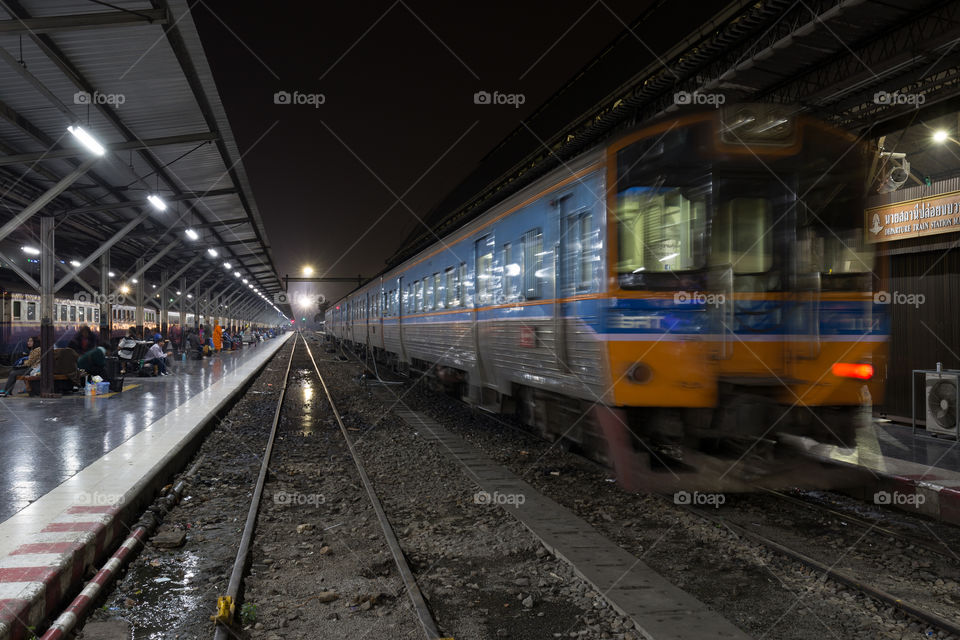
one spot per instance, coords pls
(848, 578)
(227, 605)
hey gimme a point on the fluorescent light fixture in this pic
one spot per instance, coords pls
(940, 135)
(669, 257)
(134, 280)
(178, 293)
(157, 203)
(190, 295)
(227, 266)
(250, 285)
(30, 251)
(213, 252)
(86, 140)
(75, 263)
(111, 274)
(193, 235)
(154, 286)
(236, 274)
(244, 281)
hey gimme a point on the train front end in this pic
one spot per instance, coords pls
(741, 284)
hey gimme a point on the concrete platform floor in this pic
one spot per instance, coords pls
(47, 441)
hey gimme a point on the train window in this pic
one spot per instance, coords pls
(63, 313)
(486, 284)
(31, 312)
(450, 289)
(73, 314)
(589, 252)
(661, 228)
(511, 272)
(96, 316)
(462, 299)
(428, 293)
(533, 273)
(740, 235)
(17, 308)
(438, 291)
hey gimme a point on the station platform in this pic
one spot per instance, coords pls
(80, 468)
(917, 472)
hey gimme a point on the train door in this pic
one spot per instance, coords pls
(485, 291)
(751, 242)
(565, 277)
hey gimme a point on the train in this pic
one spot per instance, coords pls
(700, 283)
(20, 319)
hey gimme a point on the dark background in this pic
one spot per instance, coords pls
(398, 101)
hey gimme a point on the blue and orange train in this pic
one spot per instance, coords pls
(703, 279)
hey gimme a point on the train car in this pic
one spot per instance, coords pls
(702, 279)
(20, 319)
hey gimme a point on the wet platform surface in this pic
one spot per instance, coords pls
(48, 441)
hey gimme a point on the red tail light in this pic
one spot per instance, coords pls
(853, 370)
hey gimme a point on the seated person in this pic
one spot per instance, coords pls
(85, 340)
(94, 362)
(194, 342)
(227, 341)
(24, 366)
(156, 356)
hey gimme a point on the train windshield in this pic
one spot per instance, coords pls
(661, 228)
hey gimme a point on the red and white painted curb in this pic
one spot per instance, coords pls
(39, 573)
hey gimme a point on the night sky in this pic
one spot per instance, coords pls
(398, 118)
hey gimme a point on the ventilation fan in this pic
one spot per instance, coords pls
(942, 403)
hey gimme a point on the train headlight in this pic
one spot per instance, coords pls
(640, 373)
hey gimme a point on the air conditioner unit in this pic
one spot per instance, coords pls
(941, 403)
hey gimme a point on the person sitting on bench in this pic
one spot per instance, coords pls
(33, 343)
(156, 356)
(93, 361)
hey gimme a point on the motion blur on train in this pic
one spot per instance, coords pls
(20, 319)
(702, 283)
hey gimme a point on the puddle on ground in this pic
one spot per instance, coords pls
(165, 595)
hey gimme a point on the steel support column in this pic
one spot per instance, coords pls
(47, 337)
(106, 308)
(164, 306)
(138, 318)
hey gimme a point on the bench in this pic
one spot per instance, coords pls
(28, 379)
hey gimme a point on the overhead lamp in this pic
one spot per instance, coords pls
(940, 135)
(227, 266)
(192, 234)
(157, 203)
(134, 280)
(178, 293)
(75, 263)
(124, 289)
(236, 274)
(190, 295)
(244, 281)
(111, 274)
(86, 140)
(250, 285)
(30, 251)
(308, 271)
(213, 252)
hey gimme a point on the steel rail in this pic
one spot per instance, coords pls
(226, 603)
(842, 577)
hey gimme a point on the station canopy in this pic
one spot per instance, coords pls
(132, 74)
